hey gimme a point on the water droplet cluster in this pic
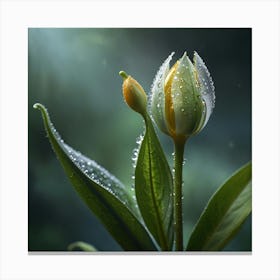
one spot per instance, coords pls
(135, 151)
(93, 170)
(97, 173)
(156, 98)
(158, 83)
(206, 85)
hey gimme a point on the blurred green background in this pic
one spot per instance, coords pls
(74, 73)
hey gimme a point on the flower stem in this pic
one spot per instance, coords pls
(178, 216)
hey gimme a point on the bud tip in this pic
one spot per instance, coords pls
(123, 75)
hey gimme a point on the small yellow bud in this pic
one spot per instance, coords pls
(134, 95)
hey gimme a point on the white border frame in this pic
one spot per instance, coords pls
(17, 16)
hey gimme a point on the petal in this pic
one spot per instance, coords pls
(157, 96)
(206, 86)
(185, 97)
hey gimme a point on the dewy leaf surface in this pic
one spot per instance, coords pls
(153, 187)
(225, 213)
(105, 195)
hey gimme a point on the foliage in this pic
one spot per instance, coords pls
(149, 217)
(118, 210)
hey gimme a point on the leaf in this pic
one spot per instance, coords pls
(153, 187)
(105, 195)
(226, 211)
(81, 246)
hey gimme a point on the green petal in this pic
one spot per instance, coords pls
(157, 97)
(186, 100)
(206, 86)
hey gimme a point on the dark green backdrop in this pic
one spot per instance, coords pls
(74, 73)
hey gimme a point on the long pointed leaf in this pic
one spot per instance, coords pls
(153, 187)
(225, 213)
(103, 193)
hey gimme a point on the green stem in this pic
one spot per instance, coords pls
(178, 216)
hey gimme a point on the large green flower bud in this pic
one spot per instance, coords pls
(182, 97)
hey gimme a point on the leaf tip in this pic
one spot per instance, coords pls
(38, 106)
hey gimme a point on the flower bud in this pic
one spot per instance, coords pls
(134, 95)
(183, 97)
